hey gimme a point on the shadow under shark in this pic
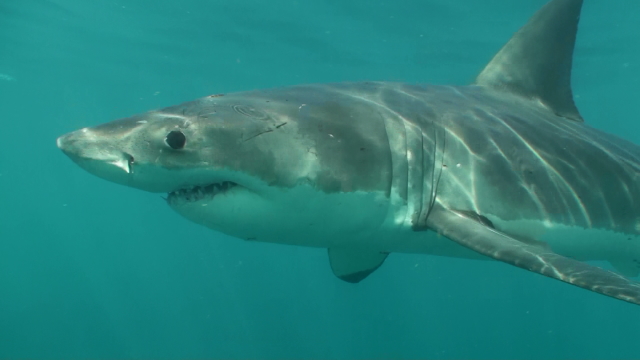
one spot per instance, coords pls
(504, 168)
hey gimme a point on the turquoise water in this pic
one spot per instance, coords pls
(89, 269)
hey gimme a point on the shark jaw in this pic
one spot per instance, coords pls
(199, 193)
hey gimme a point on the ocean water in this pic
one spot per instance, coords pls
(90, 269)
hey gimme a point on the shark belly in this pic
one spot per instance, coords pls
(354, 220)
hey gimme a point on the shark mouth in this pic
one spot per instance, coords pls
(197, 193)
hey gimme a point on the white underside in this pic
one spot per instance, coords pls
(305, 217)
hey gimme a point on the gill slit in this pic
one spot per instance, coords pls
(435, 179)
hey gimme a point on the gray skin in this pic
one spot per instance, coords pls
(504, 168)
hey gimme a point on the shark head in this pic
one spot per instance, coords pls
(254, 165)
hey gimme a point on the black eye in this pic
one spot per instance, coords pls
(176, 139)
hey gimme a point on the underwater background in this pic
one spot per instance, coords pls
(90, 269)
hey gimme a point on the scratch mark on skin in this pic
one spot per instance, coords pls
(266, 131)
(258, 134)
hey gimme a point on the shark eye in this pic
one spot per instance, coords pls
(176, 140)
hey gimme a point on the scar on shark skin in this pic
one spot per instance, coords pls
(267, 131)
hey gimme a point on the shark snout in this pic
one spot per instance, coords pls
(85, 143)
(60, 142)
(98, 155)
(73, 140)
(63, 143)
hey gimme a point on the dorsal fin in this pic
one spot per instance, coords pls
(536, 62)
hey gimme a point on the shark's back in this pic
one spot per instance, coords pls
(538, 164)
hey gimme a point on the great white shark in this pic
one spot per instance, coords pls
(504, 168)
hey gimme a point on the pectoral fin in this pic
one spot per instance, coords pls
(353, 265)
(485, 240)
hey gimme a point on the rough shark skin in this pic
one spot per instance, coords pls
(504, 168)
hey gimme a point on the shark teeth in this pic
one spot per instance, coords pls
(197, 193)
